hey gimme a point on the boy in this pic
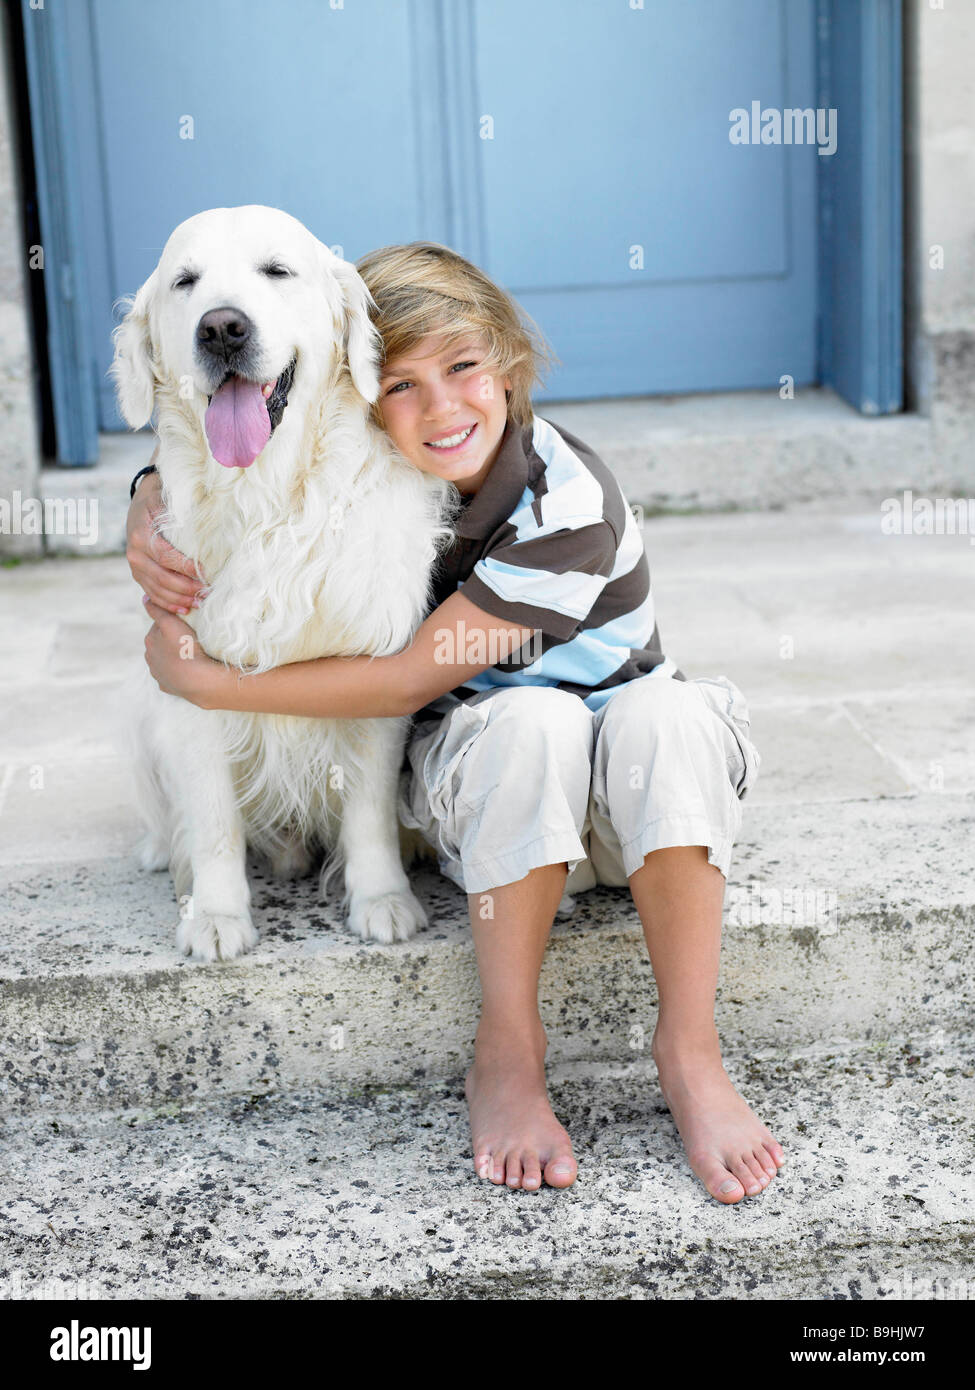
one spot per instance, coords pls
(555, 744)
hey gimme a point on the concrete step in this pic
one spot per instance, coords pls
(752, 450)
(844, 921)
(849, 910)
(349, 1192)
(722, 451)
(293, 1124)
(98, 498)
(797, 607)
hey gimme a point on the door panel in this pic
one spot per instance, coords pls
(278, 113)
(612, 132)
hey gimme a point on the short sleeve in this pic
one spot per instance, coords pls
(549, 582)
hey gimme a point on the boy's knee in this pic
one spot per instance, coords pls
(647, 709)
(536, 746)
(536, 721)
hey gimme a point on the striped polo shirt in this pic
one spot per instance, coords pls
(549, 542)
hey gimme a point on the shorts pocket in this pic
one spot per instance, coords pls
(442, 766)
(731, 707)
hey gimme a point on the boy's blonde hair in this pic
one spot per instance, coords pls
(424, 288)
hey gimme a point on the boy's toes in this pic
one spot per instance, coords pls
(482, 1163)
(764, 1160)
(561, 1171)
(721, 1183)
(757, 1164)
(531, 1175)
(749, 1180)
(513, 1172)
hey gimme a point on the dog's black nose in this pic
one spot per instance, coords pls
(223, 332)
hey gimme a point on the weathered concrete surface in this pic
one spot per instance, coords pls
(868, 614)
(97, 1007)
(292, 1125)
(862, 814)
(369, 1193)
(99, 496)
(752, 450)
(722, 451)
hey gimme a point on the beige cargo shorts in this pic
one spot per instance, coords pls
(528, 775)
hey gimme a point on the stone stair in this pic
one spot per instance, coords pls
(717, 452)
(365, 1192)
(293, 1124)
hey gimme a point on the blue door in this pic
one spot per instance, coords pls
(580, 150)
(658, 256)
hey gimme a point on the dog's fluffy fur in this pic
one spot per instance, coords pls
(323, 546)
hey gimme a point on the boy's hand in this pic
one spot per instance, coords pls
(178, 663)
(167, 575)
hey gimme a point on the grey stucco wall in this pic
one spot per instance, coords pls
(20, 458)
(939, 71)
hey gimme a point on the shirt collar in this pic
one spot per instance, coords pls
(497, 496)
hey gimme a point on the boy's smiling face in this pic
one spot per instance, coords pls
(443, 410)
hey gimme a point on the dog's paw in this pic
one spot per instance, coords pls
(389, 917)
(210, 936)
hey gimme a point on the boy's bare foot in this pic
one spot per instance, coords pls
(727, 1146)
(517, 1139)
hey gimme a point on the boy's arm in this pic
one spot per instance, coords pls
(167, 575)
(358, 687)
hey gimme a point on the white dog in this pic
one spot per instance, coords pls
(252, 341)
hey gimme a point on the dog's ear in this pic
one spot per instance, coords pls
(132, 368)
(361, 338)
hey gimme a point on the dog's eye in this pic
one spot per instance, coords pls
(274, 271)
(185, 281)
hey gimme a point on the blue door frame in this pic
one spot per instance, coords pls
(861, 250)
(859, 268)
(74, 395)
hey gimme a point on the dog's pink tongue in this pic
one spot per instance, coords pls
(237, 423)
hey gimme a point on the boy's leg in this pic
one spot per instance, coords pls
(678, 895)
(666, 772)
(501, 787)
(517, 1139)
